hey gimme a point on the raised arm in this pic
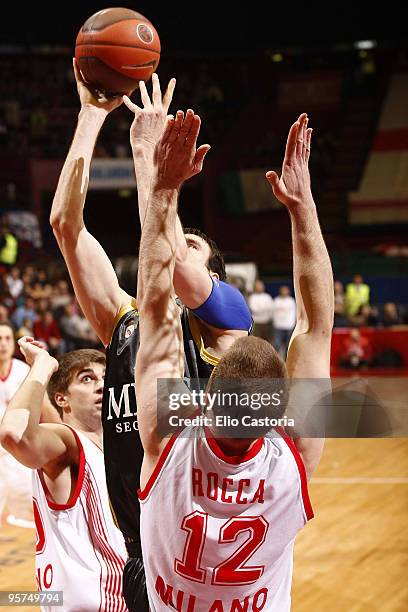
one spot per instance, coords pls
(309, 349)
(192, 283)
(160, 353)
(34, 445)
(92, 274)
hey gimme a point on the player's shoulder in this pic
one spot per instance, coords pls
(128, 307)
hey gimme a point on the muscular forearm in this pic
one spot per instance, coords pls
(144, 168)
(312, 272)
(69, 199)
(23, 414)
(157, 246)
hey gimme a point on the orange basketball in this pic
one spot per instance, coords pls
(115, 49)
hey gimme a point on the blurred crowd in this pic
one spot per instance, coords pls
(352, 307)
(45, 308)
(275, 317)
(38, 113)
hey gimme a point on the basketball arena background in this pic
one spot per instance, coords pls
(248, 71)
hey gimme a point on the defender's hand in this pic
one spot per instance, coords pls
(176, 156)
(149, 122)
(293, 187)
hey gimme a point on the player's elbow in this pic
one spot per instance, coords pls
(62, 227)
(64, 224)
(20, 447)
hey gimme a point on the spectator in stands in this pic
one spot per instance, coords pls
(42, 278)
(356, 351)
(61, 296)
(76, 330)
(25, 311)
(29, 275)
(357, 295)
(367, 316)
(284, 319)
(39, 291)
(27, 329)
(8, 246)
(4, 314)
(340, 319)
(239, 283)
(14, 282)
(391, 316)
(46, 329)
(261, 306)
(5, 296)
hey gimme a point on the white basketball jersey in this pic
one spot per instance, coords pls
(79, 550)
(218, 532)
(10, 383)
(15, 478)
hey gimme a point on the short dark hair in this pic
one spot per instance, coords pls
(251, 367)
(69, 365)
(216, 261)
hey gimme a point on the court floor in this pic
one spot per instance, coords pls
(352, 557)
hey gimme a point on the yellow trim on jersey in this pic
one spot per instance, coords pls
(195, 331)
(115, 520)
(123, 311)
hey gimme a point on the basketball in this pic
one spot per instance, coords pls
(115, 49)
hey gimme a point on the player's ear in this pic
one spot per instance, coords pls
(62, 401)
(214, 275)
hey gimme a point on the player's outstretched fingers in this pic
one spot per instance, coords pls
(301, 136)
(168, 96)
(178, 122)
(77, 72)
(156, 95)
(272, 178)
(168, 128)
(291, 143)
(131, 105)
(191, 137)
(278, 186)
(187, 125)
(199, 157)
(144, 95)
(308, 142)
(304, 152)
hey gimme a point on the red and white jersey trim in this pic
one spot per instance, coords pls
(79, 541)
(302, 473)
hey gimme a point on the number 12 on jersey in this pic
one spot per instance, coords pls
(233, 570)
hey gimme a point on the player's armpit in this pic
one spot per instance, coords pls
(309, 353)
(192, 284)
(94, 280)
(311, 450)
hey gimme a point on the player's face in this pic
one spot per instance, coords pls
(7, 345)
(85, 395)
(198, 250)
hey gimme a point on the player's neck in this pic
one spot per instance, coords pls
(218, 341)
(93, 434)
(95, 437)
(234, 447)
(5, 367)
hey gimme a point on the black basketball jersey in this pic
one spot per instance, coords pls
(122, 445)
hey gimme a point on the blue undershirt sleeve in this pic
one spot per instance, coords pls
(225, 308)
